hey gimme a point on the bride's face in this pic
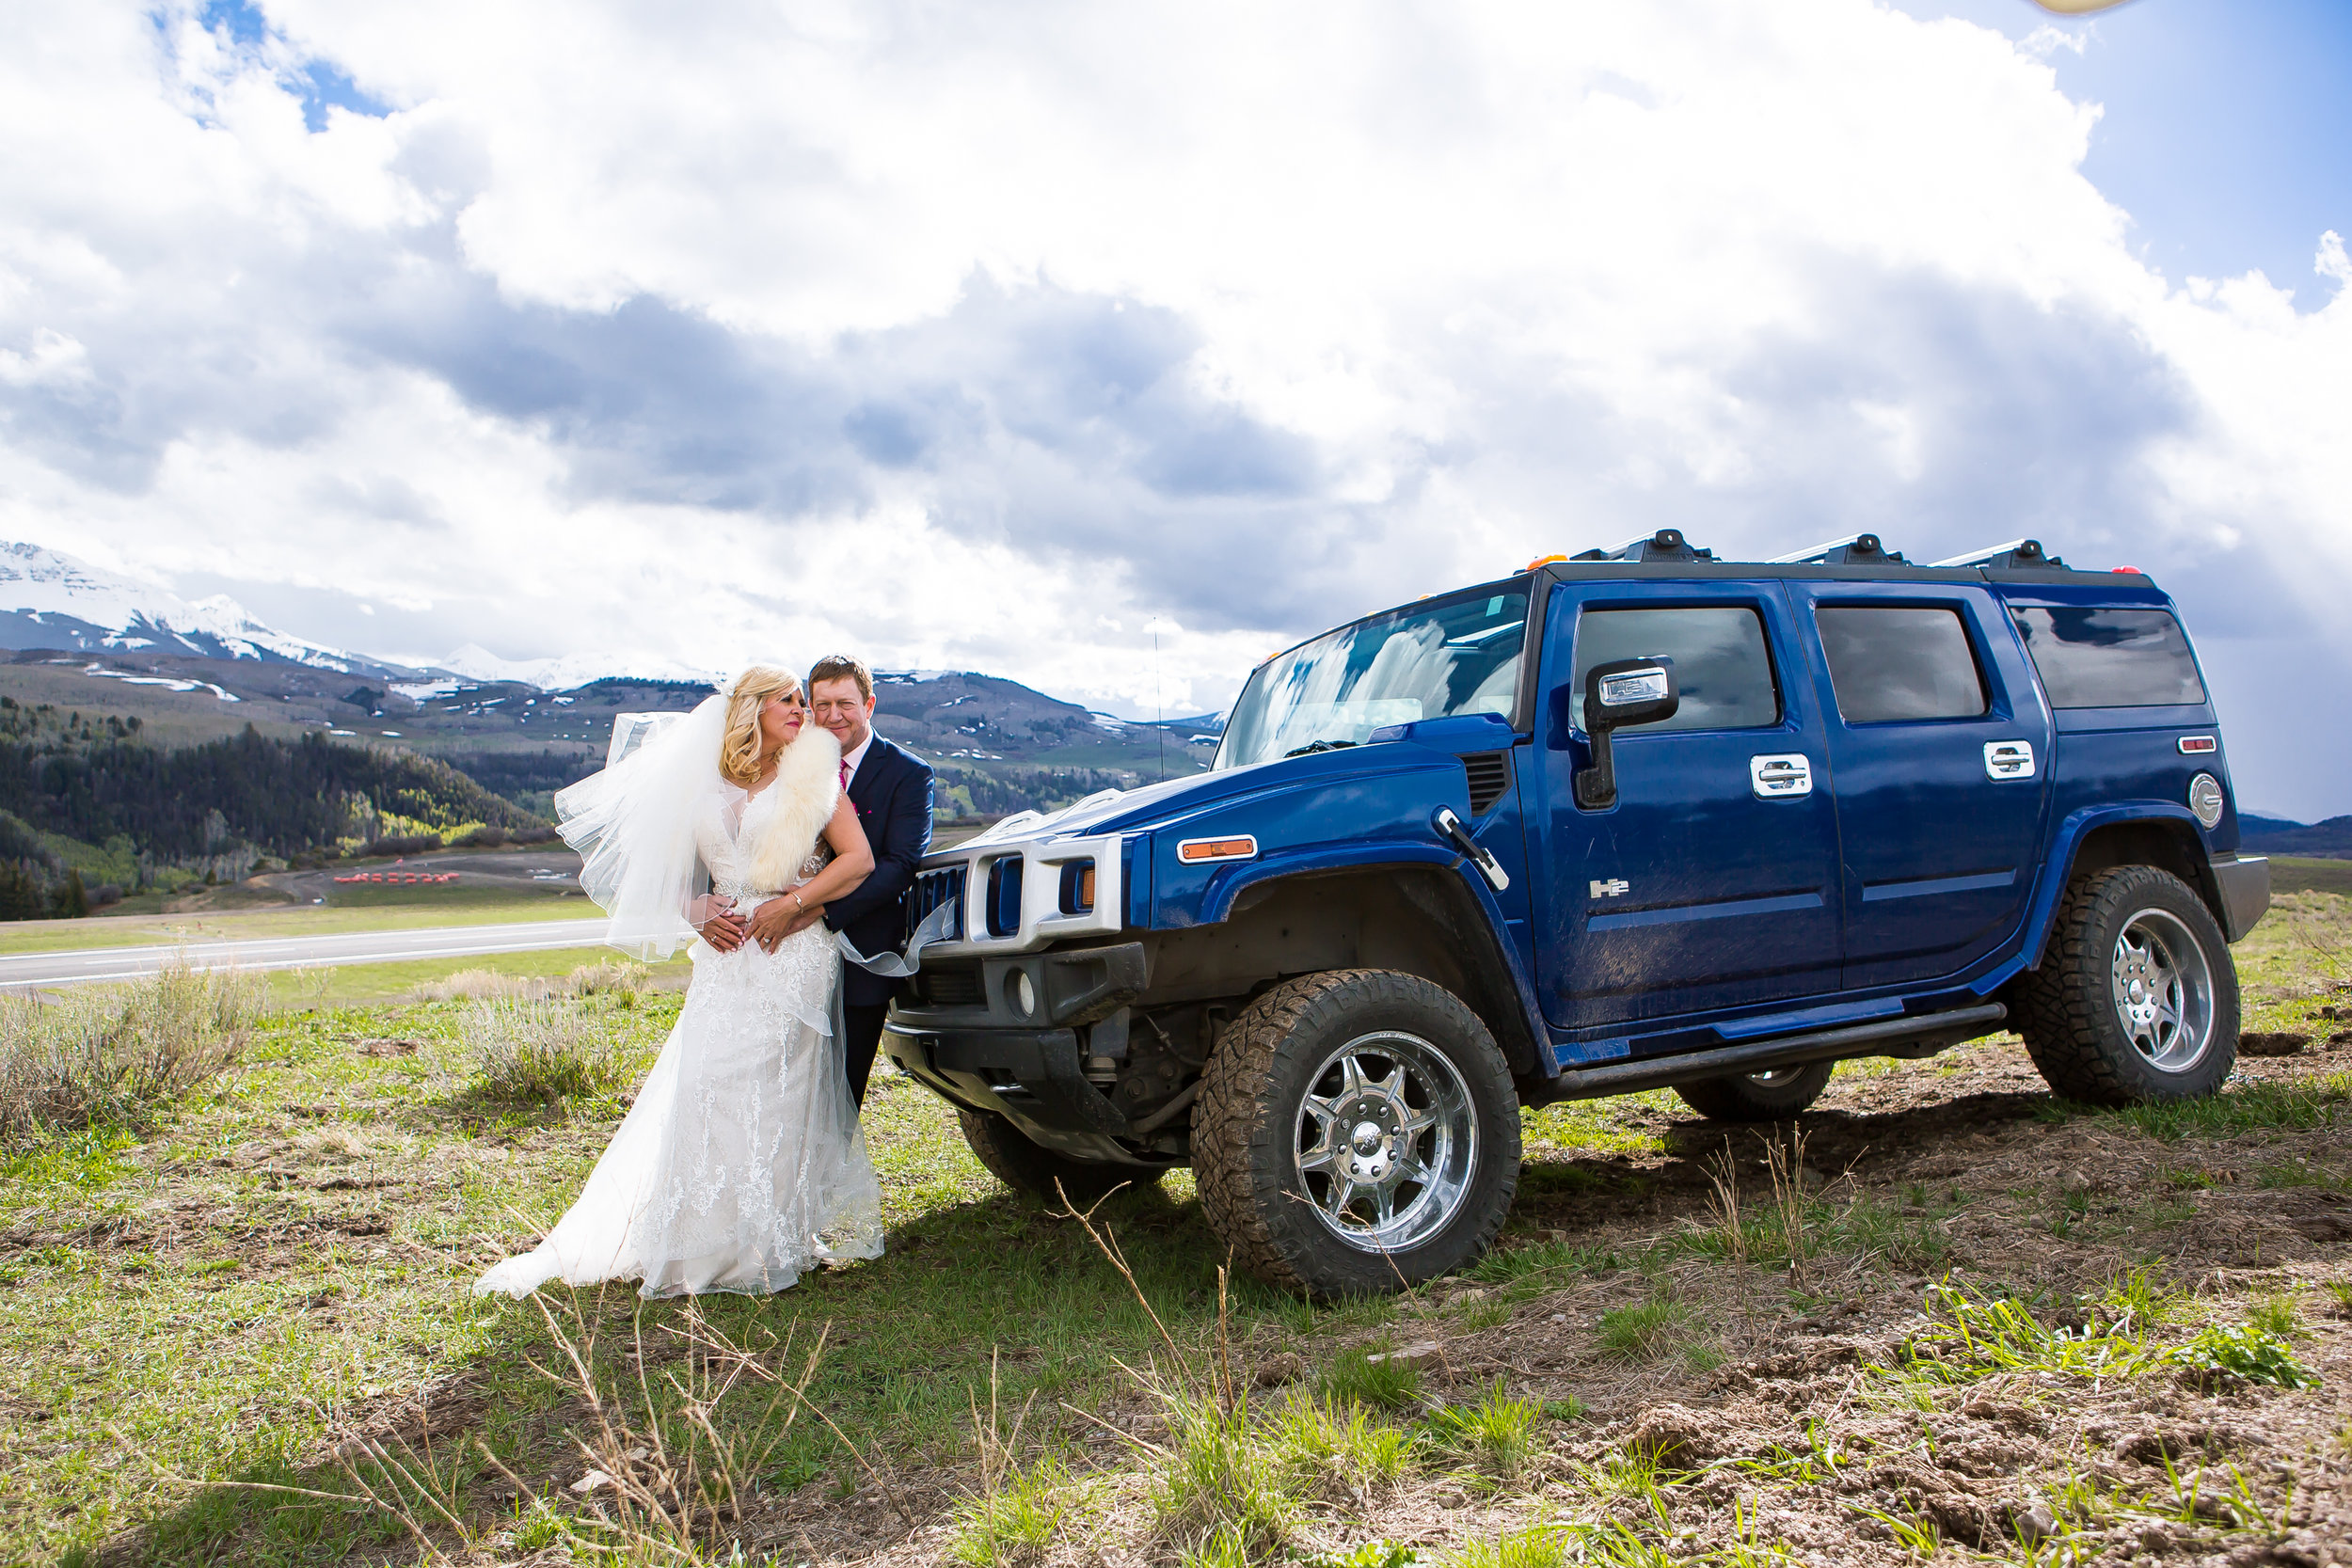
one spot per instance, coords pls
(780, 719)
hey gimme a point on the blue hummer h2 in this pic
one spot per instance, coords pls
(1631, 819)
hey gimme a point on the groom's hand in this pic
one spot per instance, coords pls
(775, 920)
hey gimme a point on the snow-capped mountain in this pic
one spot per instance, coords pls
(51, 600)
(565, 672)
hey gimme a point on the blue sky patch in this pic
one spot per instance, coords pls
(321, 84)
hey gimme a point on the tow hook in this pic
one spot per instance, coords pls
(1451, 827)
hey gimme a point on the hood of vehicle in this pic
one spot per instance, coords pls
(1130, 810)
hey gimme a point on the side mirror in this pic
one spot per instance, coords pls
(1623, 692)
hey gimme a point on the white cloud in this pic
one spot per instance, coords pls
(967, 335)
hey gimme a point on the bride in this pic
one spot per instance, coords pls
(741, 1163)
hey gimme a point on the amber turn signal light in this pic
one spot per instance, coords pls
(1197, 851)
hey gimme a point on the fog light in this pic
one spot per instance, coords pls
(1022, 993)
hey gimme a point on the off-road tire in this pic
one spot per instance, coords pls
(1738, 1097)
(2066, 1009)
(1025, 1168)
(1244, 1130)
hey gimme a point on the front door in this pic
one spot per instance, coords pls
(1711, 881)
(1941, 746)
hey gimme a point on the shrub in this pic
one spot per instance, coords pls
(117, 1056)
(490, 837)
(479, 985)
(542, 1050)
(607, 975)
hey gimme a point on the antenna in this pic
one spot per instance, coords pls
(1159, 703)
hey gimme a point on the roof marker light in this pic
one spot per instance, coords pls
(2132, 571)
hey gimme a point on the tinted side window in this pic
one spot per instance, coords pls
(1890, 663)
(2110, 658)
(1721, 664)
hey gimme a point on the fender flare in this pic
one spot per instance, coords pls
(2067, 845)
(1378, 854)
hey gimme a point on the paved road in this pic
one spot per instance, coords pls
(339, 947)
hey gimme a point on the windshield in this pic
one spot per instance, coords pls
(1426, 663)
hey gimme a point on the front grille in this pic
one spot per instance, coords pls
(930, 889)
(1490, 780)
(950, 985)
(1002, 909)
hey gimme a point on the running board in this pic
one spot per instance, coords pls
(1923, 1035)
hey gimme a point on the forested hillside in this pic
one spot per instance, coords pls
(215, 808)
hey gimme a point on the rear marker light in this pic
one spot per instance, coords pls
(2198, 744)
(1197, 851)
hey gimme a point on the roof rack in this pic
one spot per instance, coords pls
(1859, 549)
(1667, 544)
(2018, 554)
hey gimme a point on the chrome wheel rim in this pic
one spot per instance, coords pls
(1773, 1078)
(2163, 991)
(1386, 1142)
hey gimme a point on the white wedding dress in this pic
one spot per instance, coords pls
(741, 1163)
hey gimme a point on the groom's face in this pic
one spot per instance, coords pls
(840, 709)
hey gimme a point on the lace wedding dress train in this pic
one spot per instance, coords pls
(740, 1164)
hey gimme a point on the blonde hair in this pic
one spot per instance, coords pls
(738, 750)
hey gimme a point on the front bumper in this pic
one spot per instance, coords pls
(1033, 1078)
(988, 1055)
(2245, 884)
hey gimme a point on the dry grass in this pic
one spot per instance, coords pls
(116, 1056)
(615, 977)
(543, 1051)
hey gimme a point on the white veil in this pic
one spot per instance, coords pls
(633, 825)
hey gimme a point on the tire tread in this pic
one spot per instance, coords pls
(2063, 1007)
(1233, 1129)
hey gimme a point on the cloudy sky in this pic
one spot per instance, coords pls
(1005, 336)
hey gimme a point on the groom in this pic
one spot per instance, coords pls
(891, 789)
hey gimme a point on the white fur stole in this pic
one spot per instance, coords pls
(793, 809)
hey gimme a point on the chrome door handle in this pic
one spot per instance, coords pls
(2007, 759)
(1788, 776)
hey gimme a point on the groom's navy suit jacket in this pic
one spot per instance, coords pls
(892, 792)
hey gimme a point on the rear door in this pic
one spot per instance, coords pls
(1940, 743)
(1712, 880)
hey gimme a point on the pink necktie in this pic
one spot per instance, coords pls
(845, 775)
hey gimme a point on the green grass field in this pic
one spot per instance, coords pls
(198, 1310)
(2304, 874)
(457, 907)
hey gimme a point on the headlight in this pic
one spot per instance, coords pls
(2206, 799)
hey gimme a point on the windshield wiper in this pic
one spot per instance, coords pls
(1314, 746)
